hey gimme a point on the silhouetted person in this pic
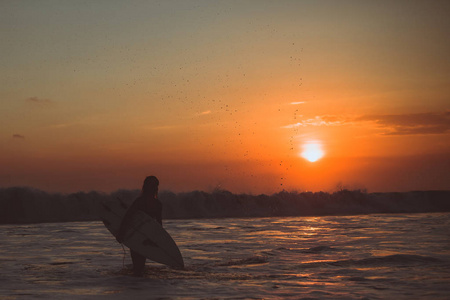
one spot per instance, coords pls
(147, 202)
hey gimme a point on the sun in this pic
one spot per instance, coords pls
(312, 151)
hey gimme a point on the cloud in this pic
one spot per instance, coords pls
(391, 124)
(18, 136)
(410, 124)
(319, 121)
(39, 101)
(207, 112)
(297, 103)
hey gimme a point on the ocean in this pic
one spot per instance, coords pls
(376, 256)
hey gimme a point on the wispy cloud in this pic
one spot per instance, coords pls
(18, 136)
(319, 121)
(62, 125)
(410, 124)
(206, 112)
(297, 103)
(39, 101)
(390, 124)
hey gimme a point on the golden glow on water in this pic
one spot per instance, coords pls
(342, 256)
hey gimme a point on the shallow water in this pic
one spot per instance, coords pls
(339, 257)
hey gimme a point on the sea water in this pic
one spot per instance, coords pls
(404, 256)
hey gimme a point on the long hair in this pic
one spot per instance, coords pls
(150, 186)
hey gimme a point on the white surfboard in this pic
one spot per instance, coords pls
(144, 235)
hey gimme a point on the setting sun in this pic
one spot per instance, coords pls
(312, 151)
(252, 96)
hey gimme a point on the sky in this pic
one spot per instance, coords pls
(96, 95)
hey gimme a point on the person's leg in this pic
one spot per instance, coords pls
(138, 263)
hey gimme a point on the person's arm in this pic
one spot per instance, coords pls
(159, 217)
(125, 223)
(157, 211)
(159, 220)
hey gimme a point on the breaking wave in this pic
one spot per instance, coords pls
(28, 205)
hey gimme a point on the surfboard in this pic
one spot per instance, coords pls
(144, 234)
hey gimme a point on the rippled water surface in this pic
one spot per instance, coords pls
(339, 257)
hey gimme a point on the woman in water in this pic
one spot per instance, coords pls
(147, 202)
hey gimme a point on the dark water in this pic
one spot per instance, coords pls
(340, 257)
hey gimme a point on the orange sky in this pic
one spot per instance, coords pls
(207, 94)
